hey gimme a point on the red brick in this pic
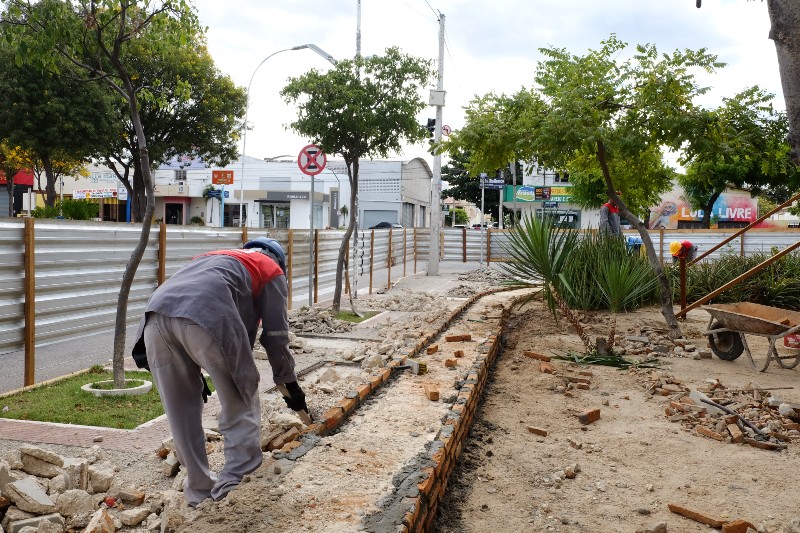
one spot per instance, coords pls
(708, 433)
(426, 485)
(453, 338)
(433, 348)
(458, 353)
(546, 368)
(737, 526)
(450, 363)
(466, 337)
(431, 392)
(534, 355)
(695, 515)
(583, 386)
(589, 416)
(332, 417)
(348, 404)
(363, 391)
(736, 434)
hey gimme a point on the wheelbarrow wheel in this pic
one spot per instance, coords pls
(726, 345)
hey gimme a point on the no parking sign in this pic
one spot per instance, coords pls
(312, 160)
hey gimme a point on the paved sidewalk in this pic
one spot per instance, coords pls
(149, 435)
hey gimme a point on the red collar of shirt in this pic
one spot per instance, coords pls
(611, 207)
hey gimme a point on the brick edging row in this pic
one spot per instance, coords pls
(447, 446)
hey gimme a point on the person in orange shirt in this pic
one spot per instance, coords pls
(207, 316)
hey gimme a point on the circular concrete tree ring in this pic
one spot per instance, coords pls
(144, 388)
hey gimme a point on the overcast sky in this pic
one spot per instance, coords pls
(491, 46)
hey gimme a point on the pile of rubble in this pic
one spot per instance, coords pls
(316, 321)
(749, 415)
(484, 275)
(406, 300)
(41, 491)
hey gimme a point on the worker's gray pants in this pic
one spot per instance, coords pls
(176, 350)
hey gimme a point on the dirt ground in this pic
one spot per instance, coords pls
(631, 463)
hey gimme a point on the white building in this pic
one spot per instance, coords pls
(275, 194)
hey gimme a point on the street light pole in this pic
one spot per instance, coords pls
(319, 51)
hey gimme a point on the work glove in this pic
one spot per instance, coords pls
(296, 398)
(206, 390)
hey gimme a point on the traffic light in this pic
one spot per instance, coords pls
(431, 126)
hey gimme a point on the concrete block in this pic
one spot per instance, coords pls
(75, 501)
(37, 522)
(29, 496)
(100, 477)
(134, 517)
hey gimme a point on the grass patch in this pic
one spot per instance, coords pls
(66, 403)
(349, 316)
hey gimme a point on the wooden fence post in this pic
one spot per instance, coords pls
(30, 302)
(405, 249)
(415, 250)
(316, 265)
(371, 258)
(290, 254)
(245, 238)
(162, 253)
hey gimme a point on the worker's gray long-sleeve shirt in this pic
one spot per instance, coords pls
(215, 292)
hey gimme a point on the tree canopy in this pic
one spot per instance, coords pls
(604, 117)
(742, 144)
(364, 107)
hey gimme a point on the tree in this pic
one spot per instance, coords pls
(55, 118)
(740, 145)
(461, 217)
(192, 110)
(365, 107)
(783, 16)
(12, 160)
(92, 36)
(605, 118)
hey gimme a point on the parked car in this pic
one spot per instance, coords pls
(386, 225)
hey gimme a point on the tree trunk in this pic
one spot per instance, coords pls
(785, 32)
(665, 288)
(138, 252)
(708, 208)
(10, 189)
(50, 178)
(139, 198)
(352, 175)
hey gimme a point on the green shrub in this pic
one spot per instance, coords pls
(777, 285)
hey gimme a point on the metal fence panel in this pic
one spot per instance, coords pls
(12, 285)
(79, 268)
(184, 243)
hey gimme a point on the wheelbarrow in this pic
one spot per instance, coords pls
(731, 322)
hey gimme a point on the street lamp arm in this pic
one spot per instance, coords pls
(311, 47)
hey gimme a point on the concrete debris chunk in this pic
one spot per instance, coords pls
(75, 502)
(37, 522)
(76, 471)
(100, 477)
(101, 522)
(171, 465)
(134, 517)
(29, 496)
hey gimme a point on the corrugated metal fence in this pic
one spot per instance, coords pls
(77, 266)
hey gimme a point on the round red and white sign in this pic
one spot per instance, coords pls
(312, 160)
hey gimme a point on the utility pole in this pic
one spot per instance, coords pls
(437, 99)
(358, 29)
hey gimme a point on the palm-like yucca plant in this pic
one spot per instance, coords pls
(539, 250)
(625, 281)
